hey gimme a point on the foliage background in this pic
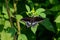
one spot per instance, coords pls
(11, 28)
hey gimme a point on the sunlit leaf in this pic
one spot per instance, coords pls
(40, 10)
(28, 8)
(34, 29)
(2, 20)
(6, 36)
(22, 37)
(4, 10)
(57, 20)
(43, 15)
(29, 14)
(7, 24)
(6, 16)
(18, 17)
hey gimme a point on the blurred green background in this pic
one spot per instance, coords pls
(12, 11)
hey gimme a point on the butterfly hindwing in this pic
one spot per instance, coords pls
(28, 24)
(34, 23)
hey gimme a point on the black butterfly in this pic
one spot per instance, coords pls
(32, 21)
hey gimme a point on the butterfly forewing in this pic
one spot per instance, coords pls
(26, 19)
(37, 19)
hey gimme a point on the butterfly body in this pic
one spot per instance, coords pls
(32, 21)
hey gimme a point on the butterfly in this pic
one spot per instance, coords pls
(32, 21)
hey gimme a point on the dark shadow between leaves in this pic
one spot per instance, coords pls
(44, 34)
(1, 27)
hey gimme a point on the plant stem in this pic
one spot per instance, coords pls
(8, 12)
(17, 22)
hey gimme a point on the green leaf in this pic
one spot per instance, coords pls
(58, 26)
(34, 29)
(12, 10)
(43, 15)
(57, 20)
(2, 20)
(22, 22)
(46, 23)
(55, 8)
(40, 10)
(22, 37)
(4, 10)
(51, 1)
(6, 16)
(29, 14)
(54, 38)
(7, 24)
(18, 17)
(28, 8)
(59, 38)
(6, 36)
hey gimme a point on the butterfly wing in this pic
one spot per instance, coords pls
(27, 21)
(28, 24)
(38, 19)
(34, 23)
